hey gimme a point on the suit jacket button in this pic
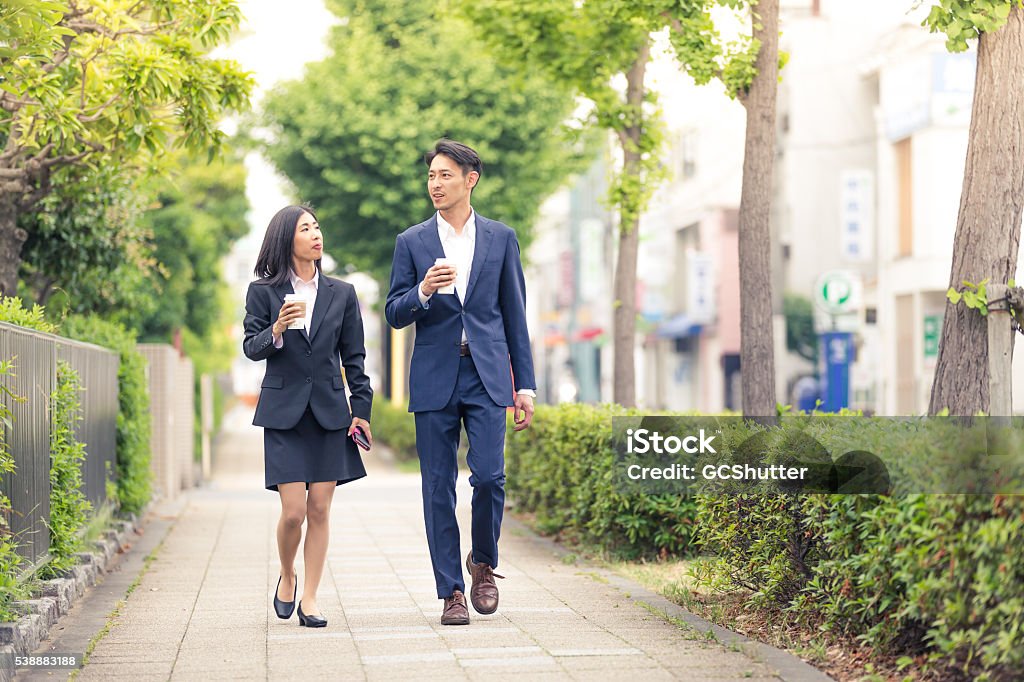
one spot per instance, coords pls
(308, 353)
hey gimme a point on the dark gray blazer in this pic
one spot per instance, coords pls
(306, 370)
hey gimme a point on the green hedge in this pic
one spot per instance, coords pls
(69, 508)
(560, 470)
(936, 575)
(134, 478)
(933, 578)
(395, 427)
(11, 562)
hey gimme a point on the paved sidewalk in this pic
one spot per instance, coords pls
(202, 610)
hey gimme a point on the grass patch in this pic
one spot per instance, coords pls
(846, 660)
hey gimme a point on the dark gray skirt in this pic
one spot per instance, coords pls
(310, 453)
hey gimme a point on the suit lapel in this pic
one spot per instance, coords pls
(283, 290)
(324, 296)
(484, 234)
(428, 235)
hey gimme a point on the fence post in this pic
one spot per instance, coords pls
(1000, 339)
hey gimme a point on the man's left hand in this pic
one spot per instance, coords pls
(523, 414)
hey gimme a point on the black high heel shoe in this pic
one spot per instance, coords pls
(311, 621)
(285, 609)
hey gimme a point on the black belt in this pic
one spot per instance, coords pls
(463, 350)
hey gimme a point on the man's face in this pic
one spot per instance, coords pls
(447, 185)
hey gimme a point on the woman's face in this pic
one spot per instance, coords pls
(308, 244)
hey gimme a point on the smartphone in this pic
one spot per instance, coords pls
(360, 438)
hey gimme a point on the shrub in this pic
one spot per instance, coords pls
(939, 578)
(939, 574)
(396, 428)
(560, 469)
(69, 509)
(10, 561)
(12, 310)
(758, 543)
(134, 479)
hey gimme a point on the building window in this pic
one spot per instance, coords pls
(688, 155)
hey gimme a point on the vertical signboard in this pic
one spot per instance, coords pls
(836, 354)
(856, 215)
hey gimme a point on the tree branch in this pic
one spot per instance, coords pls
(30, 199)
(98, 111)
(40, 156)
(12, 187)
(65, 159)
(61, 56)
(9, 102)
(106, 32)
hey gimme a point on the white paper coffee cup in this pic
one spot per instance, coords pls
(450, 289)
(301, 322)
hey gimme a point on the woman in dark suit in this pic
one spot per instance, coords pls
(308, 426)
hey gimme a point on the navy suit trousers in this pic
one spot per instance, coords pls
(437, 442)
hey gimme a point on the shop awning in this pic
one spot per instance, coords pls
(678, 327)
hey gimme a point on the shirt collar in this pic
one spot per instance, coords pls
(445, 230)
(296, 280)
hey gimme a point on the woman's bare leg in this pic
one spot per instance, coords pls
(289, 534)
(318, 532)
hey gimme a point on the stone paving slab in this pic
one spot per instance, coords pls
(202, 610)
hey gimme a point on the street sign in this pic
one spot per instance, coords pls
(836, 355)
(838, 291)
(932, 330)
(856, 215)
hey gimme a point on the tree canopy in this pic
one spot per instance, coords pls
(352, 133)
(600, 49)
(105, 85)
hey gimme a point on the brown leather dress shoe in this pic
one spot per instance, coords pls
(484, 592)
(455, 610)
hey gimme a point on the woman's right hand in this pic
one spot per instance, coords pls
(290, 312)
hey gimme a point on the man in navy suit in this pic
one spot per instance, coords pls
(471, 347)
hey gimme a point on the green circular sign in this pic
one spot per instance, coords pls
(835, 292)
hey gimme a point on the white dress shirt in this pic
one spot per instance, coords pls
(308, 291)
(460, 248)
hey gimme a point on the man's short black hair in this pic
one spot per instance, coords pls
(464, 157)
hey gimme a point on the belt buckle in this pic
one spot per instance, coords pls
(463, 350)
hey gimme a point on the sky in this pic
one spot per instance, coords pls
(274, 44)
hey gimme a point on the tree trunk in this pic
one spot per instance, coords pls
(11, 240)
(624, 387)
(624, 382)
(757, 348)
(988, 226)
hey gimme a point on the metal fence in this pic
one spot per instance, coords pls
(35, 356)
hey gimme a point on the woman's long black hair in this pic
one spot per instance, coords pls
(275, 259)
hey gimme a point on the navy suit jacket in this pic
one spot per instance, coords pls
(306, 370)
(493, 314)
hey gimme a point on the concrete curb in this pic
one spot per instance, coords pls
(56, 596)
(789, 667)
